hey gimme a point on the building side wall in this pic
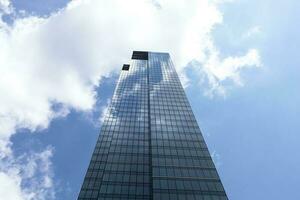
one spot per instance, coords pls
(182, 166)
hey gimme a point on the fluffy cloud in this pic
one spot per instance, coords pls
(5, 6)
(27, 177)
(50, 65)
(215, 73)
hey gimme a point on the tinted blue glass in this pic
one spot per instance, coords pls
(150, 146)
(180, 159)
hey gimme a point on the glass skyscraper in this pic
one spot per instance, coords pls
(150, 145)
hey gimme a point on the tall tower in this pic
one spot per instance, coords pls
(150, 145)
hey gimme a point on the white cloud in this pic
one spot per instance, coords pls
(5, 7)
(27, 177)
(10, 187)
(215, 72)
(51, 65)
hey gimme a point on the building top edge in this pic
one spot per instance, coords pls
(143, 55)
(161, 52)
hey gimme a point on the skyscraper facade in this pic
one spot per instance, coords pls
(150, 145)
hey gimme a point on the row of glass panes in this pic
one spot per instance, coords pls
(143, 158)
(180, 152)
(97, 165)
(142, 143)
(162, 130)
(185, 172)
(171, 103)
(92, 183)
(140, 91)
(101, 150)
(132, 168)
(116, 115)
(88, 194)
(167, 112)
(163, 113)
(130, 179)
(126, 93)
(196, 162)
(129, 125)
(134, 107)
(167, 123)
(135, 118)
(132, 82)
(178, 143)
(161, 97)
(126, 117)
(103, 144)
(128, 98)
(158, 82)
(125, 129)
(165, 195)
(167, 90)
(132, 136)
(94, 174)
(167, 106)
(128, 121)
(161, 94)
(99, 157)
(129, 149)
(131, 157)
(189, 134)
(166, 87)
(138, 129)
(118, 112)
(162, 156)
(175, 136)
(142, 100)
(140, 103)
(125, 189)
(185, 184)
(188, 117)
(179, 123)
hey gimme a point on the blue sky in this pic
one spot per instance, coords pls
(247, 113)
